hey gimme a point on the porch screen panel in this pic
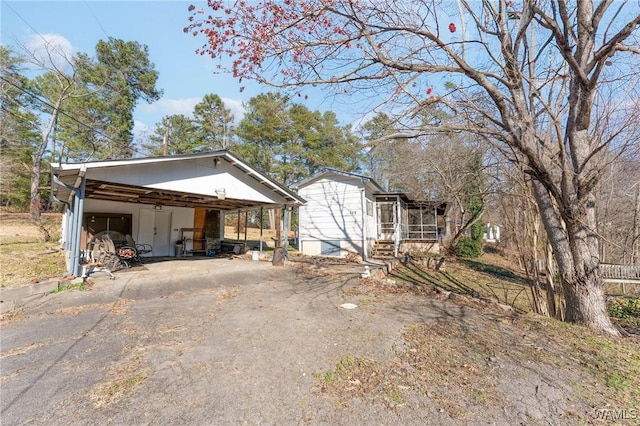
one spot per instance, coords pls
(422, 222)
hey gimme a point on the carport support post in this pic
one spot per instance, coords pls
(246, 222)
(285, 243)
(76, 231)
(261, 213)
(238, 222)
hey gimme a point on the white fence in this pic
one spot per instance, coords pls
(620, 273)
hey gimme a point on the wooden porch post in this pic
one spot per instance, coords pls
(261, 216)
(238, 226)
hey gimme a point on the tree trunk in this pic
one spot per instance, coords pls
(539, 299)
(451, 244)
(576, 250)
(35, 203)
(556, 309)
(278, 223)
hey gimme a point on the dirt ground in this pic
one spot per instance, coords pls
(218, 341)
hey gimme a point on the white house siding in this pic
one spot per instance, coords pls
(372, 222)
(333, 212)
(142, 230)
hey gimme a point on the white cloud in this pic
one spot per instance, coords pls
(51, 49)
(166, 106)
(236, 107)
(139, 128)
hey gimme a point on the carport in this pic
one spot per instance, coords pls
(160, 200)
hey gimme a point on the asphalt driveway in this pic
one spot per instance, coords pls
(218, 341)
(208, 341)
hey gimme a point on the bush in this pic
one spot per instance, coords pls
(468, 247)
(625, 308)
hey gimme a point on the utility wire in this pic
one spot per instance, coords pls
(25, 21)
(96, 18)
(62, 112)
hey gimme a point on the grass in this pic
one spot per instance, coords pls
(479, 279)
(117, 389)
(485, 359)
(613, 365)
(25, 256)
(485, 363)
(65, 287)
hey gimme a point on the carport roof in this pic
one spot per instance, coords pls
(66, 177)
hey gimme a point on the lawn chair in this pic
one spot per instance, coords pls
(141, 249)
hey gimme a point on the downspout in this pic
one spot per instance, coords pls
(77, 228)
(74, 221)
(363, 203)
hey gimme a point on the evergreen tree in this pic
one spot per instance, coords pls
(290, 142)
(99, 124)
(181, 134)
(18, 134)
(215, 121)
(264, 132)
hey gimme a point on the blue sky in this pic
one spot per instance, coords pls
(185, 76)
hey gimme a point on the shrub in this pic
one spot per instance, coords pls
(468, 247)
(625, 308)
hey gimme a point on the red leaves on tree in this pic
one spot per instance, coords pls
(274, 32)
(429, 90)
(191, 7)
(452, 27)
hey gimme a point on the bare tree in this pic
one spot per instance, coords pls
(618, 201)
(432, 164)
(47, 94)
(524, 234)
(534, 77)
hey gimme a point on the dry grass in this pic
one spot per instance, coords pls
(488, 359)
(478, 279)
(24, 255)
(122, 379)
(487, 364)
(252, 236)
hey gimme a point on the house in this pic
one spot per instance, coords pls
(491, 233)
(351, 213)
(159, 201)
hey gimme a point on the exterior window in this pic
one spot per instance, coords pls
(369, 208)
(117, 226)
